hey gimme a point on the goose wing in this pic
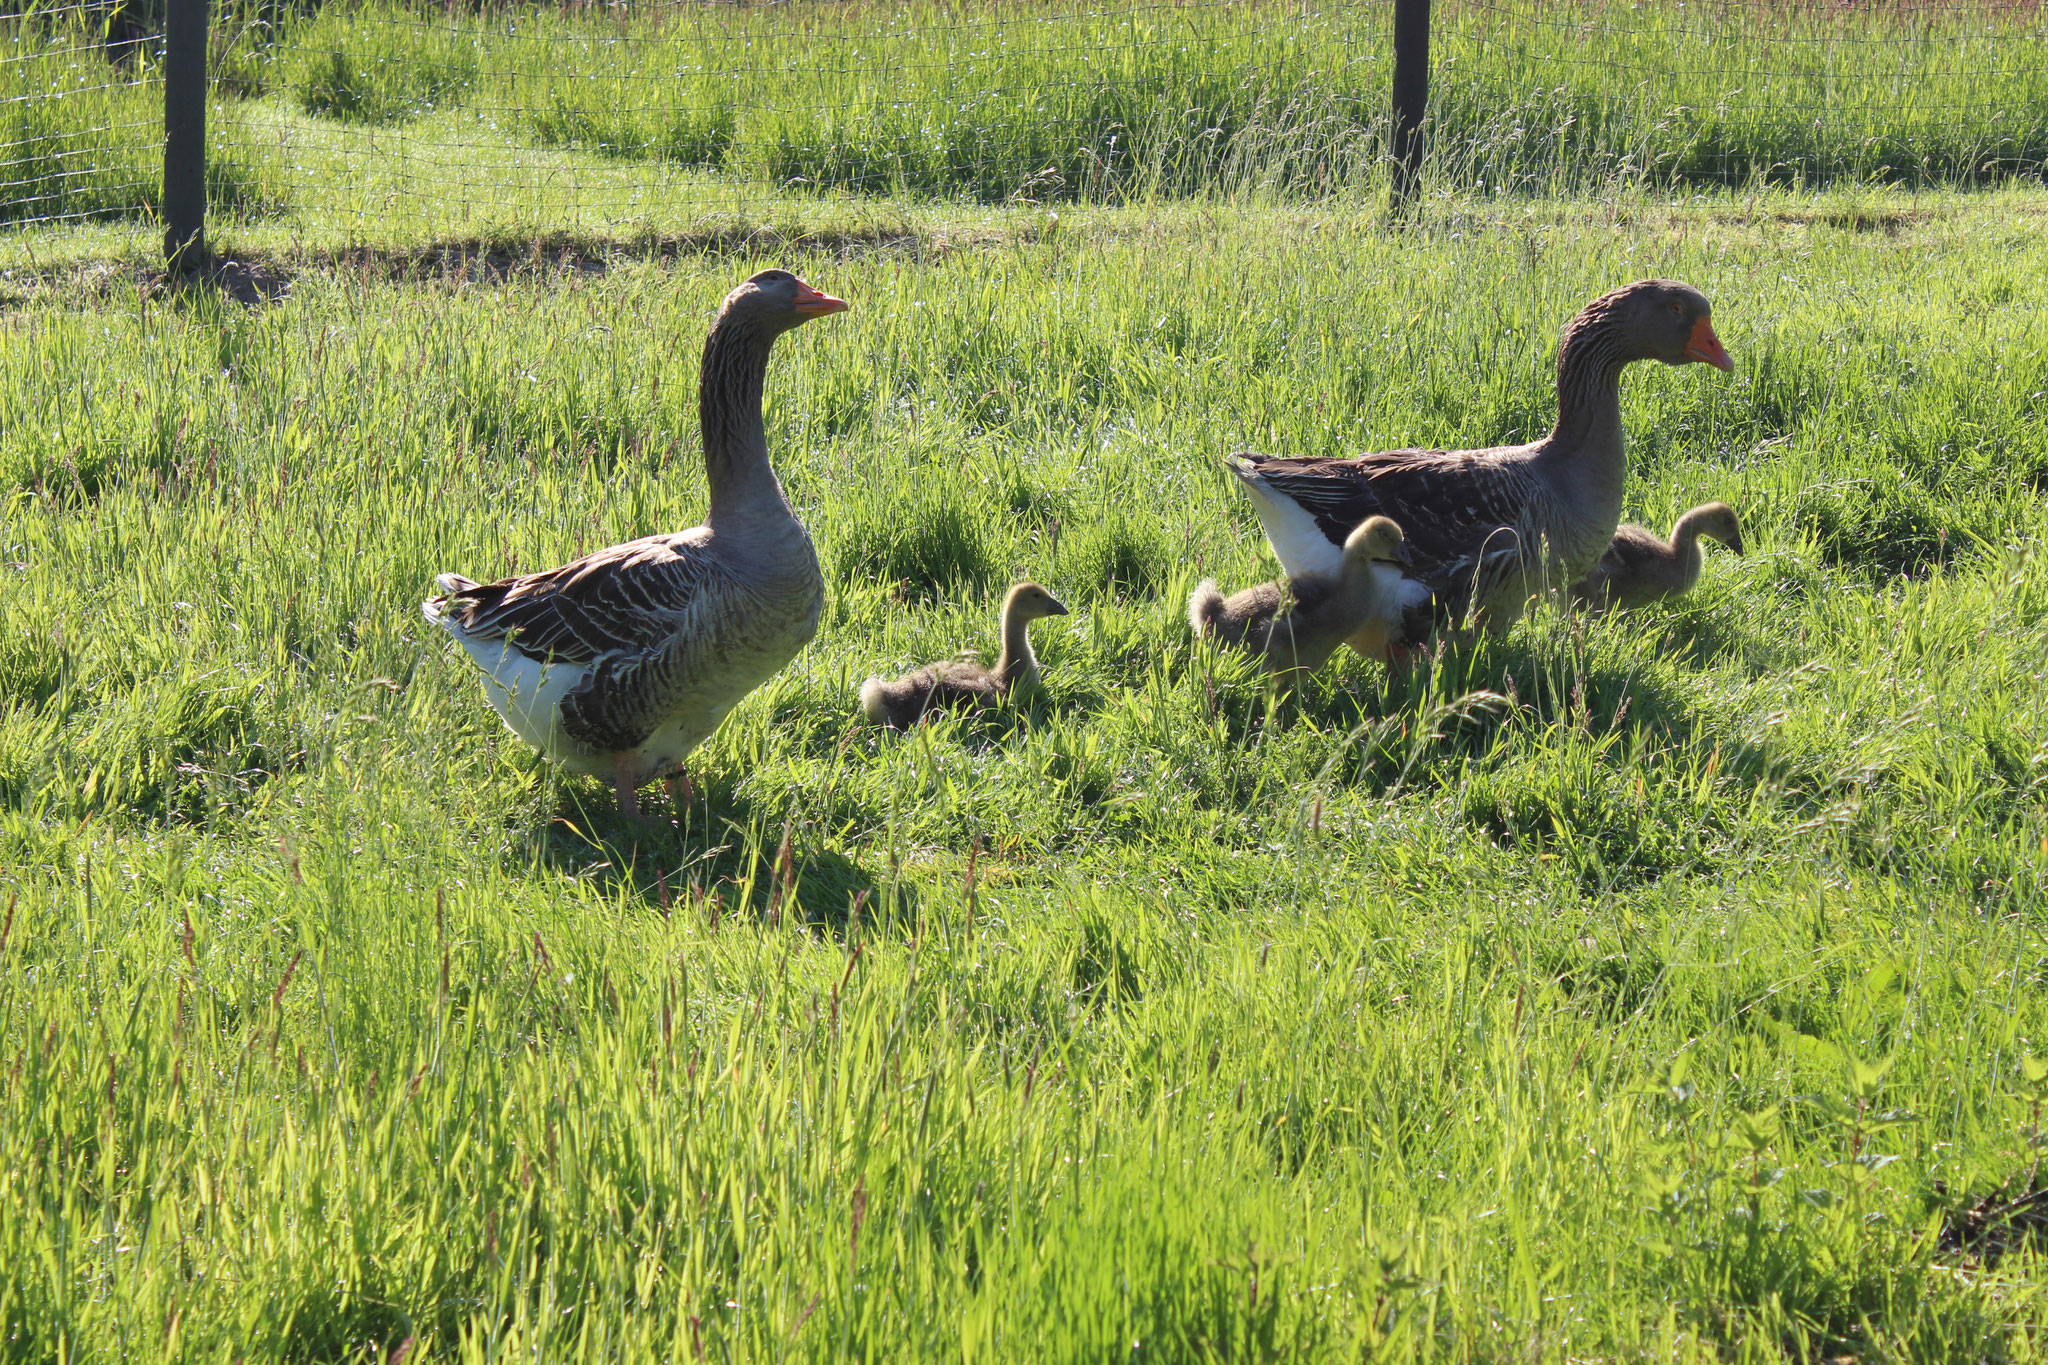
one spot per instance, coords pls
(1449, 503)
(644, 622)
(626, 600)
(1457, 508)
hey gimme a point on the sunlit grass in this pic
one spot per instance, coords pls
(81, 126)
(639, 113)
(1649, 986)
(1000, 101)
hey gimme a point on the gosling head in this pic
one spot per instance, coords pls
(1717, 521)
(1377, 540)
(1658, 320)
(1029, 601)
(778, 301)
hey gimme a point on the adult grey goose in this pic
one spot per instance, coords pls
(1640, 567)
(1477, 521)
(1294, 627)
(619, 663)
(962, 685)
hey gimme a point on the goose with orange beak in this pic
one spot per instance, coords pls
(1489, 529)
(620, 663)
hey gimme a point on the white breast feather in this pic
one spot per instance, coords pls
(525, 692)
(1396, 592)
(1292, 532)
(528, 693)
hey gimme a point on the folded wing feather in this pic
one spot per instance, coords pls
(626, 599)
(646, 626)
(1458, 510)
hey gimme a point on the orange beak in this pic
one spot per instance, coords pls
(1704, 345)
(813, 304)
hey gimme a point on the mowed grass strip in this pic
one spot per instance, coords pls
(1662, 985)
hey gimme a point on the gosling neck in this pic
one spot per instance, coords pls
(1685, 548)
(1017, 663)
(735, 366)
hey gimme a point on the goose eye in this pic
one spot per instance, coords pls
(1677, 307)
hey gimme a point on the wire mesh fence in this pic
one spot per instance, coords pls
(1733, 91)
(81, 109)
(371, 111)
(604, 111)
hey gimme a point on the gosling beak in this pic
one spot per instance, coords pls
(1055, 607)
(1705, 346)
(1400, 554)
(1736, 545)
(814, 304)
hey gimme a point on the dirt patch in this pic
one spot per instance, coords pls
(1998, 1223)
(485, 261)
(1890, 222)
(257, 278)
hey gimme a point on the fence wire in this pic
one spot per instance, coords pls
(382, 111)
(1735, 91)
(603, 113)
(81, 114)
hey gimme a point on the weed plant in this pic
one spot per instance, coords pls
(1658, 985)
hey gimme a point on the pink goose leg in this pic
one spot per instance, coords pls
(629, 804)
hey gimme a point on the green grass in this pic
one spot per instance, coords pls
(1651, 986)
(996, 102)
(627, 113)
(81, 127)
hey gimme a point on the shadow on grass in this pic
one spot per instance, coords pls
(1545, 750)
(719, 856)
(258, 277)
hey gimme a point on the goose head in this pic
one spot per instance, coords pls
(1717, 521)
(1661, 320)
(777, 300)
(1377, 540)
(1030, 601)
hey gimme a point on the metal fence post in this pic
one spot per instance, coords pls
(1411, 93)
(185, 134)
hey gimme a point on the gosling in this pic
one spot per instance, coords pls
(962, 686)
(1639, 568)
(1295, 627)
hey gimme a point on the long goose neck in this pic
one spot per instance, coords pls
(1017, 660)
(729, 409)
(1588, 432)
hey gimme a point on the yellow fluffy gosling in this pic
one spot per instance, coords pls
(1294, 627)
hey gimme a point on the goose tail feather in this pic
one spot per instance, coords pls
(435, 609)
(873, 702)
(1204, 605)
(1298, 543)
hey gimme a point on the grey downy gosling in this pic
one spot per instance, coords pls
(1295, 627)
(1639, 568)
(961, 685)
